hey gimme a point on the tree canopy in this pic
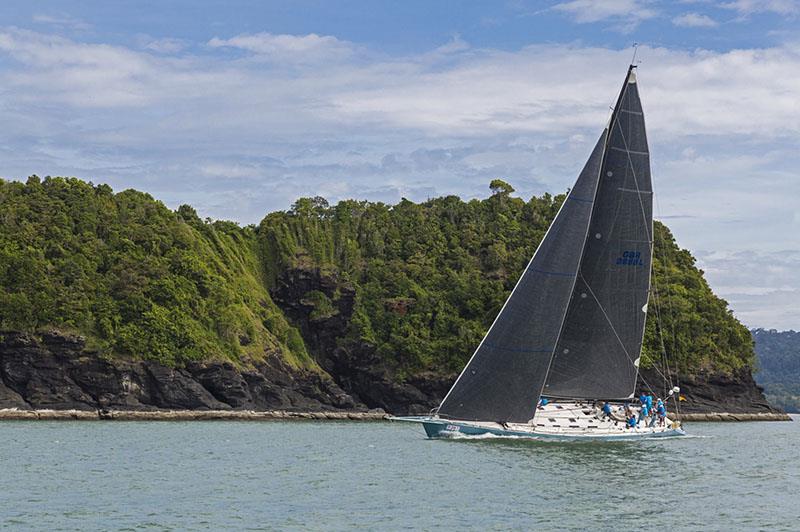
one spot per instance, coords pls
(141, 280)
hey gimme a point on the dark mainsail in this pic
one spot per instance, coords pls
(504, 378)
(598, 349)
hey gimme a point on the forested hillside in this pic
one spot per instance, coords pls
(431, 277)
(779, 366)
(134, 277)
(415, 285)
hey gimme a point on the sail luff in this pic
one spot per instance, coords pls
(600, 169)
(505, 303)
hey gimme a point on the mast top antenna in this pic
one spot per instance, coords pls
(633, 59)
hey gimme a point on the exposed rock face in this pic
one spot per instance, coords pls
(58, 372)
(706, 393)
(354, 366)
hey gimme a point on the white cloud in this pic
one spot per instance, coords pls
(694, 20)
(166, 45)
(498, 91)
(585, 11)
(61, 21)
(749, 7)
(287, 47)
(757, 283)
(55, 69)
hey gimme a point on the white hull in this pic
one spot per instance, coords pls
(558, 421)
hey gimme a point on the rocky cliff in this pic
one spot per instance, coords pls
(56, 371)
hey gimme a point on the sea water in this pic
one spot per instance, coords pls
(387, 476)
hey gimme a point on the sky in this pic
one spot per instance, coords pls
(240, 107)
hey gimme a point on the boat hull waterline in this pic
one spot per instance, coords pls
(437, 428)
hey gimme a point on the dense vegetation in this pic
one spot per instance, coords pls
(141, 280)
(779, 367)
(450, 264)
(133, 276)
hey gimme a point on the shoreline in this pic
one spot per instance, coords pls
(728, 416)
(185, 415)
(283, 415)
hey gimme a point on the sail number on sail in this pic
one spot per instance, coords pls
(630, 258)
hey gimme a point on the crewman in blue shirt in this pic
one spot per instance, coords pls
(543, 403)
(662, 413)
(607, 409)
(643, 413)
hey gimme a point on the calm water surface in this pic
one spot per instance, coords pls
(345, 475)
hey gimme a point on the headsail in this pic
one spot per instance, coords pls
(503, 379)
(598, 350)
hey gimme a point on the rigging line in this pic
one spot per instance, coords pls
(670, 306)
(614, 330)
(649, 231)
(606, 144)
(651, 237)
(666, 378)
(608, 319)
(668, 369)
(605, 134)
(660, 326)
(661, 339)
(519, 281)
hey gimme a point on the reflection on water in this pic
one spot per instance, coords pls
(345, 475)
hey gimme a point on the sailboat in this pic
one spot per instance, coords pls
(569, 337)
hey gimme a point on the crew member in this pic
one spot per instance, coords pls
(542, 403)
(662, 412)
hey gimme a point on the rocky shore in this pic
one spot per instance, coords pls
(269, 415)
(55, 376)
(52, 371)
(727, 416)
(186, 415)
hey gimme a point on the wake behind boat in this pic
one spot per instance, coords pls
(569, 337)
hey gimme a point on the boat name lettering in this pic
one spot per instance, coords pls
(453, 428)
